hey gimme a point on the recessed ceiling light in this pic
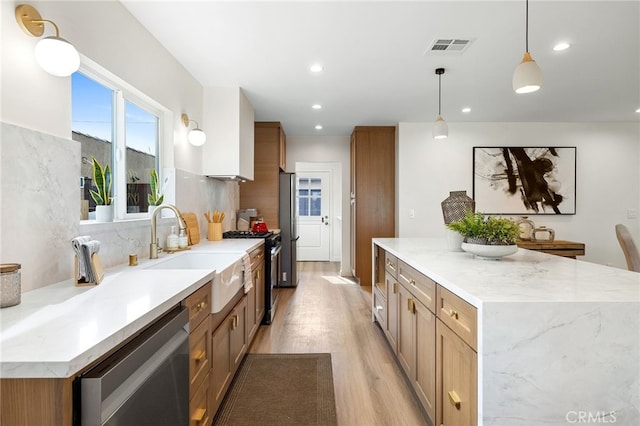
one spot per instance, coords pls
(638, 110)
(466, 109)
(561, 46)
(318, 127)
(316, 106)
(316, 68)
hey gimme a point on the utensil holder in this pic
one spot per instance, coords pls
(214, 231)
(98, 271)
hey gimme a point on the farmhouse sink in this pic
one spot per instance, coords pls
(229, 275)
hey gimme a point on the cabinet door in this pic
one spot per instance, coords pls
(406, 321)
(238, 334)
(252, 326)
(379, 281)
(392, 311)
(199, 356)
(258, 282)
(199, 413)
(456, 380)
(220, 363)
(425, 371)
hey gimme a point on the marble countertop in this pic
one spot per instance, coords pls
(526, 276)
(59, 329)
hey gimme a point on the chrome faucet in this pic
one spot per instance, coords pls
(154, 249)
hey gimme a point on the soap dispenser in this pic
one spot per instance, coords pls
(172, 239)
(183, 241)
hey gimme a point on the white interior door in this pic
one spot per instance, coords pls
(313, 209)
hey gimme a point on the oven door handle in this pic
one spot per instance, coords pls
(275, 251)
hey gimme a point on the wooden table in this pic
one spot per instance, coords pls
(558, 247)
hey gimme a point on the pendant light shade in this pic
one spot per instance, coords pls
(440, 129)
(527, 76)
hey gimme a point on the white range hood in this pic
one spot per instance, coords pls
(228, 120)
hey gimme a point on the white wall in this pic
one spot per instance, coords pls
(327, 149)
(105, 32)
(607, 173)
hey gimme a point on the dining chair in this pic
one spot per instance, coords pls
(629, 248)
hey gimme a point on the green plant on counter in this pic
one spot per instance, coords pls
(155, 198)
(491, 230)
(102, 183)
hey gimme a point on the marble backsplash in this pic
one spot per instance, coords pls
(39, 207)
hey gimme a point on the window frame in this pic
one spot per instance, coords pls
(123, 92)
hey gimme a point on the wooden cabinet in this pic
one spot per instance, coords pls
(263, 192)
(228, 120)
(199, 306)
(228, 346)
(456, 379)
(372, 194)
(256, 297)
(433, 333)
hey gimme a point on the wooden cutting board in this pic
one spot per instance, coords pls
(193, 230)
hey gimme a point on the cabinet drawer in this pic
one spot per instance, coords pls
(199, 355)
(423, 288)
(460, 316)
(391, 264)
(380, 309)
(199, 305)
(257, 256)
(199, 413)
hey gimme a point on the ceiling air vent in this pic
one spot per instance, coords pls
(449, 45)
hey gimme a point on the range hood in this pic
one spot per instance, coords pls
(228, 119)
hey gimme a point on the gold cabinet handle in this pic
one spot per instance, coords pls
(199, 356)
(198, 416)
(234, 322)
(454, 314)
(391, 265)
(454, 399)
(412, 282)
(200, 306)
(258, 271)
(411, 306)
(395, 287)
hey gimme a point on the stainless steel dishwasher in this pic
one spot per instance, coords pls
(146, 382)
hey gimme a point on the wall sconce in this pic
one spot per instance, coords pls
(54, 54)
(196, 136)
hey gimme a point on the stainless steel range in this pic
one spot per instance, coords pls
(272, 267)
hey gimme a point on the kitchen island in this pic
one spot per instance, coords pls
(550, 340)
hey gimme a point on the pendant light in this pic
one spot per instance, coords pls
(527, 77)
(440, 128)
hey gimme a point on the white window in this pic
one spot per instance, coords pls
(121, 127)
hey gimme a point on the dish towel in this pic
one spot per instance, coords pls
(248, 275)
(85, 247)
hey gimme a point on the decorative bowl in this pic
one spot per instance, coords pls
(489, 252)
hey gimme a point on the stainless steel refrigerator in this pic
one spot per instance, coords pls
(288, 230)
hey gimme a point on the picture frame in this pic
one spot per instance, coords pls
(524, 180)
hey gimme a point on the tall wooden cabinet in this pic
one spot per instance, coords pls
(372, 194)
(269, 158)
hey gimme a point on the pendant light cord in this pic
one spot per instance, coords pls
(526, 26)
(439, 93)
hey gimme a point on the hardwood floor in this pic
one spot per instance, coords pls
(328, 313)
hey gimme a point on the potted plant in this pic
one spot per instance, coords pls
(489, 237)
(102, 182)
(155, 197)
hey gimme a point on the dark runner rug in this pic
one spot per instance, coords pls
(280, 389)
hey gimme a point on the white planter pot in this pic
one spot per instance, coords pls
(104, 213)
(454, 240)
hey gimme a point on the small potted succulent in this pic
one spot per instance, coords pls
(482, 233)
(101, 195)
(155, 197)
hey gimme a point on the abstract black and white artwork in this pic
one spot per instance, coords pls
(524, 180)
